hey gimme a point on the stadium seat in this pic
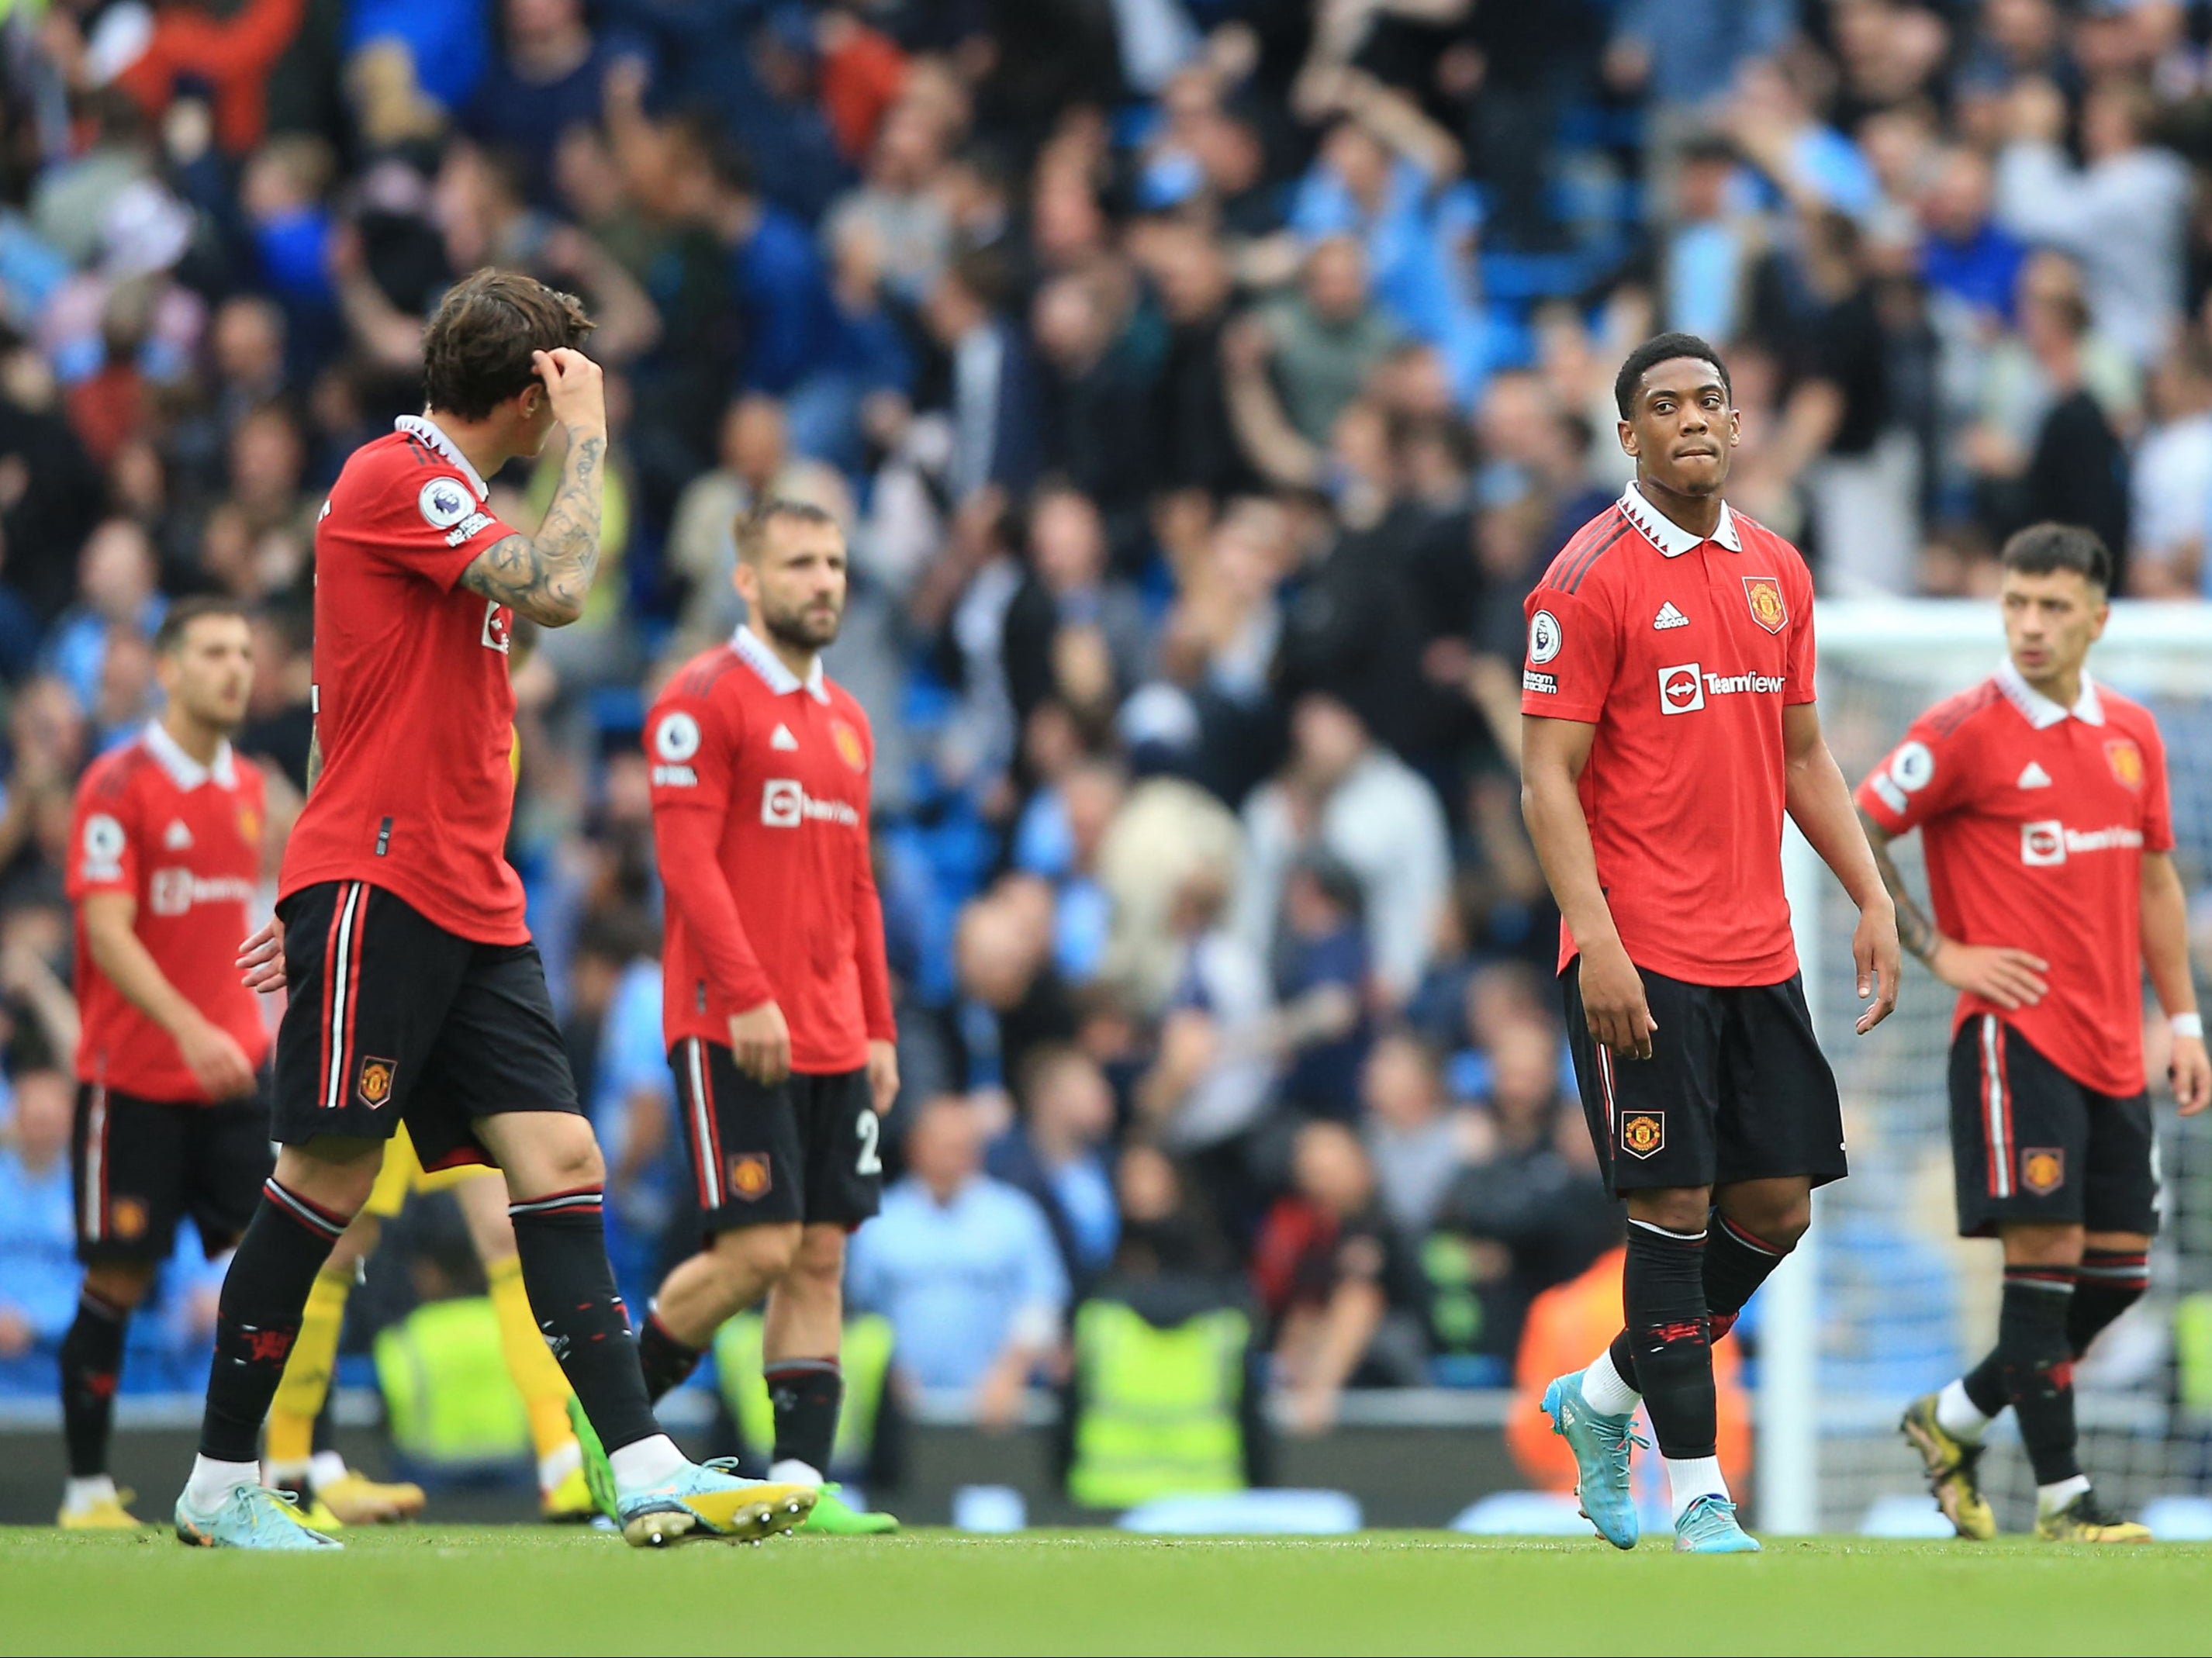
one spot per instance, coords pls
(1242, 1514)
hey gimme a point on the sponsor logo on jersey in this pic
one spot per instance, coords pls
(1544, 637)
(374, 1082)
(1542, 683)
(2047, 842)
(444, 502)
(2042, 1169)
(2126, 761)
(2032, 776)
(785, 803)
(1644, 1133)
(176, 891)
(751, 1177)
(498, 628)
(782, 739)
(1668, 616)
(1764, 594)
(1681, 689)
(850, 748)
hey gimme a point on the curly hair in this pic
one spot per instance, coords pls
(476, 352)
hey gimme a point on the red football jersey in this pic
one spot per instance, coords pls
(412, 703)
(1683, 653)
(2033, 820)
(184, 840)
(760, 816)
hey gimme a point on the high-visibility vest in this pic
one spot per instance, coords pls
(445, 1387)
(1157, 1409)
(864, 1358)
(2192, 1350)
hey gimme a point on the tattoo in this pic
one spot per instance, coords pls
(547, 576)
(314, 756)
(1914, 930)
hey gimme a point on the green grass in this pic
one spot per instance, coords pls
(495, 1590)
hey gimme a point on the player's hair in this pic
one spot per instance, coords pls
(2041, 549)
(476, 352)
(1663, 348)
(752, 526)
(180, 616)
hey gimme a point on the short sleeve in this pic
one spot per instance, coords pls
(2157, 801)
(1917, 780)
(103, 844)
(1573, 648)
(689, 750)
(431, 522)
(1801, 661)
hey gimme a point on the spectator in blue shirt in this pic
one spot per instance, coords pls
(776, 279)
(1967, 255)
(964, 1267)
(117, 588)
(1055, 1154)
(1321, 989)
(38, 1261)
(549, 79)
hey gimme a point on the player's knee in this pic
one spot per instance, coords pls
(820, 1257)
(1681, 1209)
(120, 1283)
(2043, 1246)
(751, 1254)
(336, 1174)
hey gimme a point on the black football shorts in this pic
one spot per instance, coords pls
(138, 1167)
(1736, 1089)
(394, 1019)
(805, 1150)
(2028, 1142)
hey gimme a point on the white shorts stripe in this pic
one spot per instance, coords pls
(703, 1125)
(341, 959)
(1605, 1086)
(95, 1159)
(1996, 1108)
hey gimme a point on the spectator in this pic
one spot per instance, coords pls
(1072, 631)
(116, 590)
(38, 1264)
(1055, 1153)
(993, 403)
(1320, 979)
(1320, 341)
(549, 78)
(1415, 1142)
(964, 1267)
(2171, 486)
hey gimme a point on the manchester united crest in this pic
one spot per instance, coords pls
(2126, 761)
(1764, 593)
(126, 1217)
(750, 1177)
(1644, 1134)
(850, 748)
(374, 1082)
(2042, 1169)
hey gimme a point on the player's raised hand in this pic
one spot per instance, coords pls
(1613, 1002)
(575, 387)
(2189, 1071)
(216, 1062)
(760, 1041)
(261, 958)
(1875, 953)
(2011, 978)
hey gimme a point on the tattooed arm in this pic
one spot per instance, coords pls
(1998, 972)
(547, 576)
(1914, 930)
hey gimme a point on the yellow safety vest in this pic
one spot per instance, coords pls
(864, 1359)
(446, 1386)
(1158, 1409)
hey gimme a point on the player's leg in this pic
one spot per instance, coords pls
(562, 1492)
(1755, 1224)
(128, 1185)
(497, 1080)
(750, 1176)
(803, 1338)
(287, 1455)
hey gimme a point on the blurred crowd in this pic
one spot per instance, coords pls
(1203, 384)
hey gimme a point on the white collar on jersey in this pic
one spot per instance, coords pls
(1669, 538)
(187, 772)
(770, 666)
(2039, 710)
(422, 427)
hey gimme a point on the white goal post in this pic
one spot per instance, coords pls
(1882, 1300)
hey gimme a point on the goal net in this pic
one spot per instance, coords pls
(1889, 1303)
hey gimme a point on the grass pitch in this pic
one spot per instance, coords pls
(428, 1589)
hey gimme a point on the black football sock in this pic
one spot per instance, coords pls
(561, 1241)
(1737, 1261)
(665, 1362)
(1985, 1383)
(91, 1360)
(2109, 1282)
(2038, 1366)
(1663, 1293)
(805, 1393)
(257, 1319)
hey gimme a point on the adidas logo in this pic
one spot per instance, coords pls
(177, 837)
(2034, 777)
(1668, 616)
(782, 738)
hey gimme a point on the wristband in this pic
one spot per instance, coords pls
(2188, 1024)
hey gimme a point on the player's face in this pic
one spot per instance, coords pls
(209, 674)
(796, 588)
(1682, 431)
(2050, 621)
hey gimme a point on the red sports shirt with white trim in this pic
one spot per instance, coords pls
(1683, 652)
(760, 817)
(183, 841)
(412, 704)
(2033, 821)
